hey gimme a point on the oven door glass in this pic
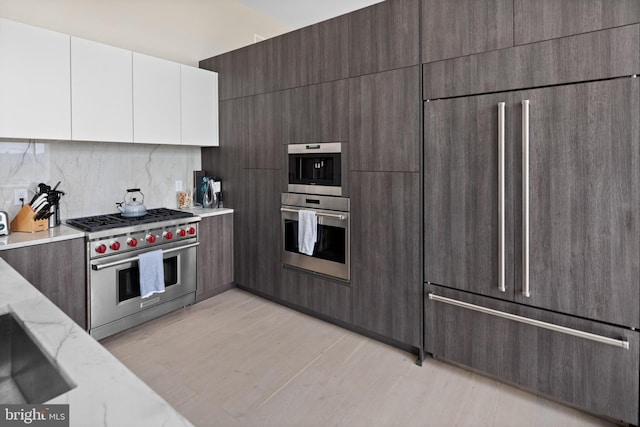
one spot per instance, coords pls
(129, 279)
(331, 255)
(315, 169)
(330, 244)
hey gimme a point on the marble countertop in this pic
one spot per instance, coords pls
(63, 232)
(106, 392)
(19, 239)
(205, 212)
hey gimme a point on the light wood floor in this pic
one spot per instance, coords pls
(239, 360)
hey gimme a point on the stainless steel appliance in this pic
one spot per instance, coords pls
(114, 243)
(211, 197)
(315, 168)
(4, 224)
(331, 253)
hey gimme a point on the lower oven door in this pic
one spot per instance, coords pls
(331, 253)
(114, 284)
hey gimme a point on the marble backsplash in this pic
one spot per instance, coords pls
(95, 175)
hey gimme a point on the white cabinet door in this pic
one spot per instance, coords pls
(35, 93)
(199, 106)
(156, 100)
(101, 92)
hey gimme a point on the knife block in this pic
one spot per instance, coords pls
(24, 221)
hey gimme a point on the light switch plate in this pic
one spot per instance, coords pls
(178, 185)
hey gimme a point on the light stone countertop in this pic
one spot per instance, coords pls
(106, 392)
(205, 212)
(63, 232)
(18, 239)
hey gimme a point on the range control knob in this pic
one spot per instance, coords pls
(192, 230)
(115, 246)
(101, 249)
(132, 242)
(150, 238)
(182, 232)
(167, 235)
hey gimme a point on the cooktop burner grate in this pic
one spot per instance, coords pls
(116, 220)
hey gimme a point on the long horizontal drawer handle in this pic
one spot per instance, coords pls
(342, 217)
(569, 331)
(99, 267)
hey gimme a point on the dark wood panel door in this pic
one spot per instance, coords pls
(225, 161)
(263, 145)
(384, 121)
(461, 195)
(316, 293)
(598, 377)
(258, 253)
(58, 271)
(384, 36)
(215, 256)
(611, 53)
(385, 254)
(462, 27)
(316, 113)
(314, 54)
(550, 19)
(584, 217)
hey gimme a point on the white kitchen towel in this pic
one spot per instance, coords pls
(307, 231)
(151, 273)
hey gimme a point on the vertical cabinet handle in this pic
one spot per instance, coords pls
(526, 291)
(501, 198)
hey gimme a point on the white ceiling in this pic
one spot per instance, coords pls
(301, 13)
(184, 31)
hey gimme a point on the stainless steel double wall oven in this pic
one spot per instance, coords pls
(315, 184)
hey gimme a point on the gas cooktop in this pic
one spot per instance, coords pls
(116, 220)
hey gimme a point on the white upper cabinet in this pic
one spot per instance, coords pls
(35, 93)
(156, 100)
(101, 88)
(54, 86)
(199, 105)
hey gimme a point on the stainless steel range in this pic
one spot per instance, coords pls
(114, 243)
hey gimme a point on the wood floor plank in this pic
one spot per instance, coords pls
(239, 360)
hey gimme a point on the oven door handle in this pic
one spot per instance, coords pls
(339, 216)
(98, 267)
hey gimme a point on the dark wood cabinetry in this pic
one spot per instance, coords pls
(584, 225)
(584, 181)
(58, 271)
(385, 254)
(463, 27)
(225, 161)
(316, 113)
(592, 56)
(263, 146)
(599, 377)
(548, 19)
(215, 256)
(315, 293)
(384, 121)
(356, 79)
(258, 252)
(461, 195)
(383, 37)
(314, 54)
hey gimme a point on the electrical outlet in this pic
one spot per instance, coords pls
(178, 185)
(21, 194)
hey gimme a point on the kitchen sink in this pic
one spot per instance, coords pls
(27, 375)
